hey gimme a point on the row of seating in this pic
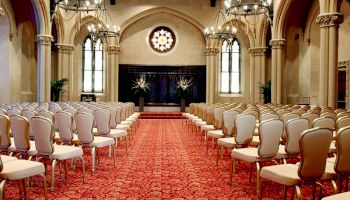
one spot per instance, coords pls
(259, 133)
(58, 132)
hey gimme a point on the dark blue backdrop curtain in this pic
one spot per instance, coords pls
(162, 83)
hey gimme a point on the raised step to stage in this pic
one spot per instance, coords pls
(161, 115)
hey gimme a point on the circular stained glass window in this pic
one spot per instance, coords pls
(162, 39)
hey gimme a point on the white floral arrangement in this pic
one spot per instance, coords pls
(140, 85)
(183, 85)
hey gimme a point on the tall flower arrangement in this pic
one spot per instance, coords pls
(140, 86)
(183, 86)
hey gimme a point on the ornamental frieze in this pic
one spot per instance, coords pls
(278, 43)
(211, 51)
(44, 39)
(113, 49)
(258, 51)
(64, 48)
(333, 19)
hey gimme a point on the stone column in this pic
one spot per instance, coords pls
(329, 25)
(212, 60)
(65, 68)
(257, 60)
(276, 76)
(44, 67)
(113, 65)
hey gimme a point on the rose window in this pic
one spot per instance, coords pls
(162, 39)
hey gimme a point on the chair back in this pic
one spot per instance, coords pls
(3, 111)
(20, 132)
(84, 122)
(218, 113)
(44, 134)
(324, 122)
(311, 117)
(294, 129)
(343, 114)
(342, 162)
(102, 119)
(64, 122)
(118, 119)
(245, 125)
(113, 113)
(270, 132)
(268, 116)
(288, 116)
(5, 132)
(299, 111)
(210, 115)
(123, 113)
(229, 123)
(282, 112)
(47, 114)
(252, 112)
(329, 114)
(72, 111)
(13, 112)
(314, 146)
(29, 114)
(342, 122)
(339, 110)
(84, 110)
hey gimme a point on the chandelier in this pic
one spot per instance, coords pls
(2, 11)
(249, 8)
(79, 5)
(228, 32)
(97, 30)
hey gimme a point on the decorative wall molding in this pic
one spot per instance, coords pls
(113, 49)
(210, 51)
(258, 51)
(330, 19)
(44, 39)
(278, 43)
(65, 48)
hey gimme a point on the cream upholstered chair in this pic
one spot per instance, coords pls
(342, 122)
(339, 167)
(293, 130)
(339, 110)
(20, 131)
(118, 120)
(85, 110)
(7, 143)
(270, 134)
(103, 118)
(340, 196)
(324, 122)
(84, 122)
(72, 111)
(343, 114)
(282, 112)
(312, 163)
(12, 170)
(29, 114)
(311, 117)
(329, 114)
(299, 111)
(44, 134)
(65, 134)
(13, 111)
(3, 111)
(285, 118)
(268, 116)
(47, 114)
(218, 123)
(209, 126)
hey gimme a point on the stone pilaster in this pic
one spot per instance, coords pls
(329, 25)
(276, 71)
(44, 67)
(212, 60)
(257, 72)
(113, 69)
(65, 68)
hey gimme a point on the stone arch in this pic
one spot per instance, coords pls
(42, 16)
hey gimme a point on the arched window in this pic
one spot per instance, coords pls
(92, 65)
(230, 74)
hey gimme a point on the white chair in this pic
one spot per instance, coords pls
(64, 121)
(311, 117)
(270, 134)
(7, 143)
(44, 134)
(84, 122)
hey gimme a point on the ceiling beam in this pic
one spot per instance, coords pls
(212, 3)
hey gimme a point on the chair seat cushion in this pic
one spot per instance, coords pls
(102, 141)
(215, 134)
(123, 127)
(340, 196)
(5, 159)
(286, 174)
(329, 173)
(207, 128)
(12, 147)
(117, 133)
(64, 152)
(130, 123)
(32, 151)
(19, 169)
(246, 154)
(201, 123)
(228, 142)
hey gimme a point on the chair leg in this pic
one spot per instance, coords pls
(65, 169)
(2, 187)
(206, 150)
(257, 177)
(83, 166)
(113, 152)
(298, 191)
(126, 146)
(109, 151)
(93, 154)
(23, 181)
(285, 190)
(261, 188)
(45, 186)
(217, 156)
(54, 163)
(250, 172)
(335, 188)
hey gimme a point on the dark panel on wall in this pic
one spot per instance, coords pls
(162, 82)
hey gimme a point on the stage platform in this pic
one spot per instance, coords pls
(161, 115)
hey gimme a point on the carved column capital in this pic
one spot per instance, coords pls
(65, 48)
(44, 39)
(329, 19)
(2, 12)
(278, 43)
(113, 49)
(211, 51)
(258, 51)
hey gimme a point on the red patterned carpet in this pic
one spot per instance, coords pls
(165, 162)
